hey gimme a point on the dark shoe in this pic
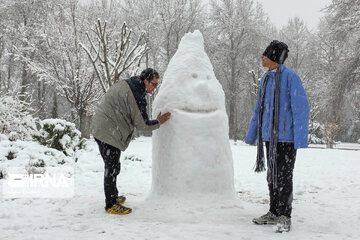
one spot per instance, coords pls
(284, 224)
(268, 218)
(118, 209)
(121, 200)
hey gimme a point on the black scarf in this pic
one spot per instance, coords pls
(260, 160)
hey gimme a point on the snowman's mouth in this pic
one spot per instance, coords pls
(191, 110)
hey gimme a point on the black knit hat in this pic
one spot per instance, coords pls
(277, 52)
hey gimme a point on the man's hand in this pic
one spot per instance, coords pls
(164, 117)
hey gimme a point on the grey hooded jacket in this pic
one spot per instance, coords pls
(122, 109)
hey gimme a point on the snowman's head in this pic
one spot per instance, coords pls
(189, 82)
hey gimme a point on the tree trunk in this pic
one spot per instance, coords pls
(1, 55)
(232, 107)
(24, 84)
(41, 99)
(10, 64)
(54, 111)
(232, 125)
(84, 124)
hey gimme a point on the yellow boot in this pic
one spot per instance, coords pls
(118, 209)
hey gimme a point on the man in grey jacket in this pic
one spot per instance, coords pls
(122, 109)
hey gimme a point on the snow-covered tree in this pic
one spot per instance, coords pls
(316, 129)
(27, 19)
(341, 46)
(16, 120)
(65, 66)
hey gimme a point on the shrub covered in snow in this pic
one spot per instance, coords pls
(15, 119)
(61, 135)
(30, 155)
(316, 133)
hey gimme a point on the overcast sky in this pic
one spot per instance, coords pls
(280, 11)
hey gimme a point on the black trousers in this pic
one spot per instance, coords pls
(111, 157)
(282, 197)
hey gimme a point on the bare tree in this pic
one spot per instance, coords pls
(299, 39)
(112, 58)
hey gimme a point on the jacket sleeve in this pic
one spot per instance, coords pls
(252, 133)
(300, 110)
(140, 117)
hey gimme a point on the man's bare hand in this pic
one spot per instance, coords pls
(162, 118)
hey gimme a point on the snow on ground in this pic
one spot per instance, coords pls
(326, 202)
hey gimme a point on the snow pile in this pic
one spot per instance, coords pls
(61, 135)
(191, 153)
(15, 119)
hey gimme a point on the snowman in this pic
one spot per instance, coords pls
(192, 159)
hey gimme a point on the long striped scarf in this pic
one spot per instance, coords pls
(260, 160)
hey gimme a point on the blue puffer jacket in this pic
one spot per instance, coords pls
(293, 112)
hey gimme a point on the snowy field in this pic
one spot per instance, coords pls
(326, 202)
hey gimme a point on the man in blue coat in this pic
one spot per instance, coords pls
(280, 119)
